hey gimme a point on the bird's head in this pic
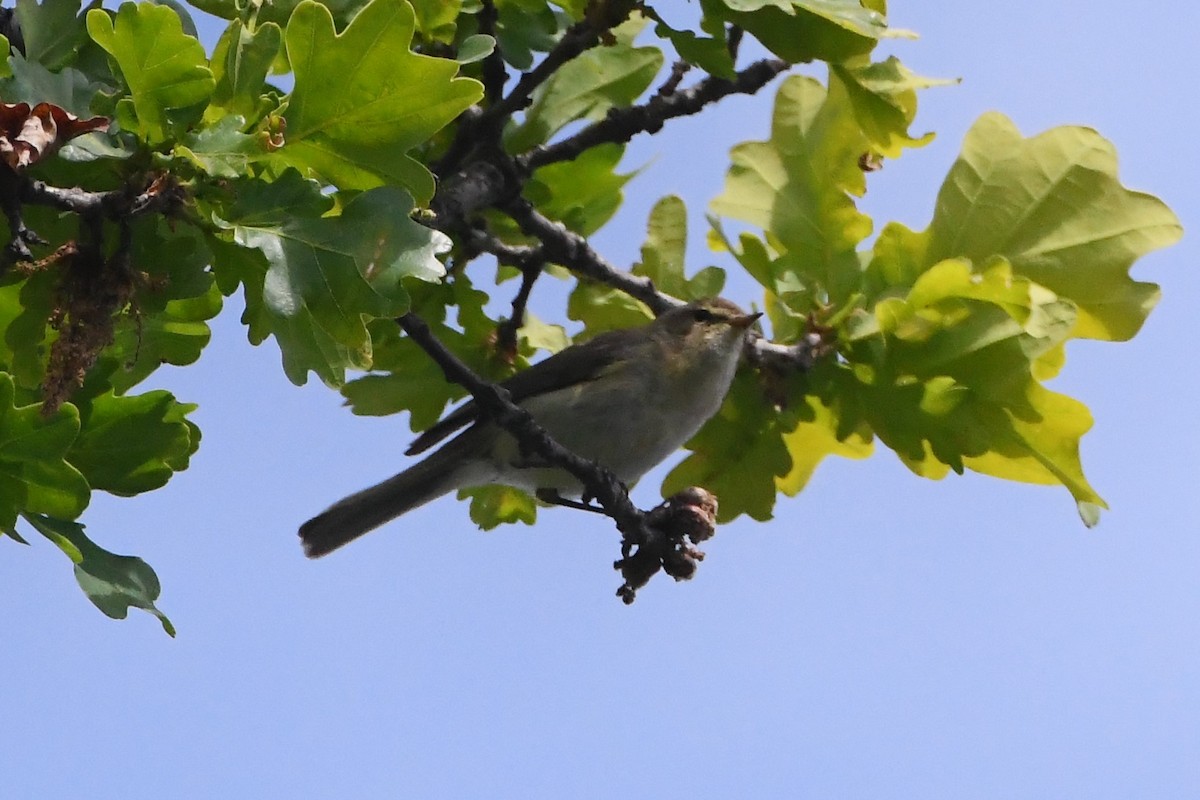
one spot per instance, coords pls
(705, 328)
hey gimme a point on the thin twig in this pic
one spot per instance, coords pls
(622, 124)
(529, 260)
(578, 38)
(506, 333)
(733, 40)
(563, 246)
(678, 70)
(481, 240)
(477, 174)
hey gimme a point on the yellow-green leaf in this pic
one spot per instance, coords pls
(363, 99)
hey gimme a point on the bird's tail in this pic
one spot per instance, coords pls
(363, 512)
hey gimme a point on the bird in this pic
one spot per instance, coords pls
(626, 399)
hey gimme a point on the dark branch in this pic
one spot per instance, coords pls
(482, 241)
(530, 260)
(785, 358)
(467, 136)
(506, 334)
(733, 40)
(576, 40)
(10, 28)
(494, 73)
(563, 246)
(495, 404)
(477, 174)
(671, 84)
(622, 124)
(494, 180)
(161, 196)
(20, 237)
(662, 539)
(483, 183)
(479, 129)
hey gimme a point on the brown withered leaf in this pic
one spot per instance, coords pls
(28, 135)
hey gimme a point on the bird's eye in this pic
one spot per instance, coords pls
(703, 315)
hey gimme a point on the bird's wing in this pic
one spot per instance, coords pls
(577, 364)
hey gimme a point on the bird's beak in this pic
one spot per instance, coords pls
(745, 320)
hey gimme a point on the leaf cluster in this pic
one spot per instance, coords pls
(343, 162)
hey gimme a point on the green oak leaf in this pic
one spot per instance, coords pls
(53, 31)
(805, 30)
(185, 16)
(588, 86)
(665, 246)
(709, 53)
(362, 99)
(781, 276)
(165, 69)
(336, 268)
(134, 443)
(343, 11)
(33, 83)
(536, 334)
(436, 20)
(304, 347)
(787, 325)
(602, 308)
(241, 62)
(222, 150)
(524, 28)
(27, 335)
(797, 188)
(1053, 207)
(10, 309)
(738, 455)
(418, 389)
(176, 335)
(174, 257)
(849, 14)
(948, 378)
(113, 583)
(583, 193)
(819, 433)
(33, 475)
(93, 146)
(164, 324)
(884, 98)
(664, 250)
(575, 9)
(492, 506)
(475, 48)
(167, 322)
(406, 378)
(222, 9)
(277, 12)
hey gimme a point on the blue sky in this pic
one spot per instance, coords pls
(882, 637)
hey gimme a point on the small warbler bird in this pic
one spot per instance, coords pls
(626, 399)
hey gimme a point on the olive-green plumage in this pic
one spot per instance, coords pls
(627, 399)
